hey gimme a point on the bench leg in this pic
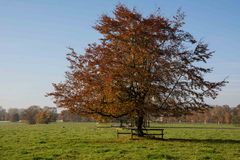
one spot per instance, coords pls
(131, 134)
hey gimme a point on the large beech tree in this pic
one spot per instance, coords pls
(141, 66)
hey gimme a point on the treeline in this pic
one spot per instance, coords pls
(67, 116)
(217, 114)
(36, 114)
(31, 115)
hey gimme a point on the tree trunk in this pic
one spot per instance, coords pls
(139, 125)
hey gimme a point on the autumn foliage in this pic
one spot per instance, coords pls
(143, 66)
(36, 114)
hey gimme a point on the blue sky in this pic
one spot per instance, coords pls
(34, 36)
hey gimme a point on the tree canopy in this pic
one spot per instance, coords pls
(143, 65)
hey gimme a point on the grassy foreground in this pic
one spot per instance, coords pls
(86, 141)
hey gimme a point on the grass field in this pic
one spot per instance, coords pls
(86, 141)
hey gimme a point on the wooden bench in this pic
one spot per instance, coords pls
(125, 132)
(145, 132)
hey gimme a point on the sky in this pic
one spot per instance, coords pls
(34, 36)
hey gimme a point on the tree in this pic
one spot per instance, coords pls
(142, 66)
(52, 112)
(227, 114)
(46, 115)
(21, 113)
(218, 114)
(43, 117)
(30, 114)
(67, 116)
(236, 115)
(3, 114)
(13, 115)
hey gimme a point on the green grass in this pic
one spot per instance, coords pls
(86, 141)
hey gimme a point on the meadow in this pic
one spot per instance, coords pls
(88, 141)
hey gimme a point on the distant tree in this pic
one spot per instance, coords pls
(227, 114)
(142, 66)
(217, 114)
(13, 115)
(52, 111)
(236, 115)
(69, 117)
(30, 114)
(43, 117)
(3, 114)
(207, 116)
(21, 113)
(122, 120)
(47, 115)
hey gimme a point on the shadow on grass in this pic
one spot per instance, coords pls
(215, 141)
